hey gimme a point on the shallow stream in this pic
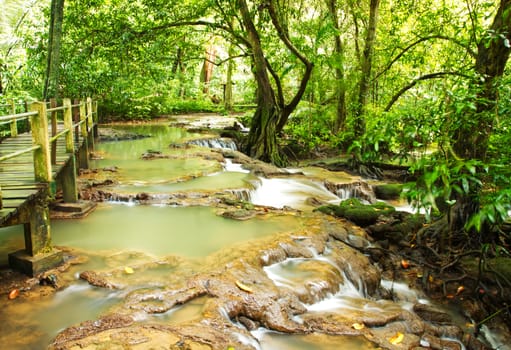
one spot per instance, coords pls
(177, 241)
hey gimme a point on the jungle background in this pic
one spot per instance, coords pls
(419, 85)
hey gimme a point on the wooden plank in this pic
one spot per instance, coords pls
(17, 193)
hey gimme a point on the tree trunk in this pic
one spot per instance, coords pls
(54, 45)
(366, 67)
(207, 68)
(471, 139)
(228, 99)
(272, 112)
(340, 120)
(262, 139)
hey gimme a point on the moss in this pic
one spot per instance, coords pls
(362, 216)
(357, 212)
(327, 209)
(388, 191)
(383, 208)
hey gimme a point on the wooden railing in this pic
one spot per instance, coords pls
(43, 145)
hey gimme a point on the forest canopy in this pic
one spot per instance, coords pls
(421, 83)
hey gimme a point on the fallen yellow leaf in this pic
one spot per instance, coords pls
(405, 264)
(243, 287)
(14, 294)
(128, 270)
(397, 339)
(358, 326)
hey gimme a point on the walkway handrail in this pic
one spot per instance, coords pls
(41, 140)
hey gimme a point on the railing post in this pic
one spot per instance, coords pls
(90, 124)
(68, 125)
(42, 158)
(83, 156)
(95, 118)
(53, 104)
(14, 122)
(83, 116)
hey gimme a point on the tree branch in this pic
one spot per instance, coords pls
(280, 91)
(421, 40)
(308, 67)
(421, 78)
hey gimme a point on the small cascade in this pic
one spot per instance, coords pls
(234, 167)
(290, 192)
(242, 194)
(358, 189)
(221, 143)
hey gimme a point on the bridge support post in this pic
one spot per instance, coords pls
(38, 255)
(69, 182)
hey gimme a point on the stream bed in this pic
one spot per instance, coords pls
(191, 250)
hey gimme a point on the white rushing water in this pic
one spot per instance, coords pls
(290, 192)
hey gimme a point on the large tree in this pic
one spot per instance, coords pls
(272, 110)
(54, 45)
(366, 69)
(474, 130)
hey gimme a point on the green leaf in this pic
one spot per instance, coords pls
(474, 222)
(471, 168)
(465, 185)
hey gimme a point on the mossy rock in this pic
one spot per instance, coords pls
(388, 191)
(357, 212)
(383, 208)
(362, 216)
(327, 209)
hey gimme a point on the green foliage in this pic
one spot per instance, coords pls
(155, 106)
(311, 126)
(441, 183)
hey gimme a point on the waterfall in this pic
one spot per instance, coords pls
(358, 189)
(242, 194)
(223, 143)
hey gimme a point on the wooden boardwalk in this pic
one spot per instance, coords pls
(35, 166)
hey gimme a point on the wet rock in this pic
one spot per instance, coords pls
(151, 154)
(239, 214)
(109, 135)
(272, 256)
(96, 279)
(295, 251)
(356, 266)
(439, 344)
(112, 169)
(388, 191)
(248, 323)
(396, 226)
(431, 314)
(73, 335)
(315, 202)
(358, 213)
(339, 232)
